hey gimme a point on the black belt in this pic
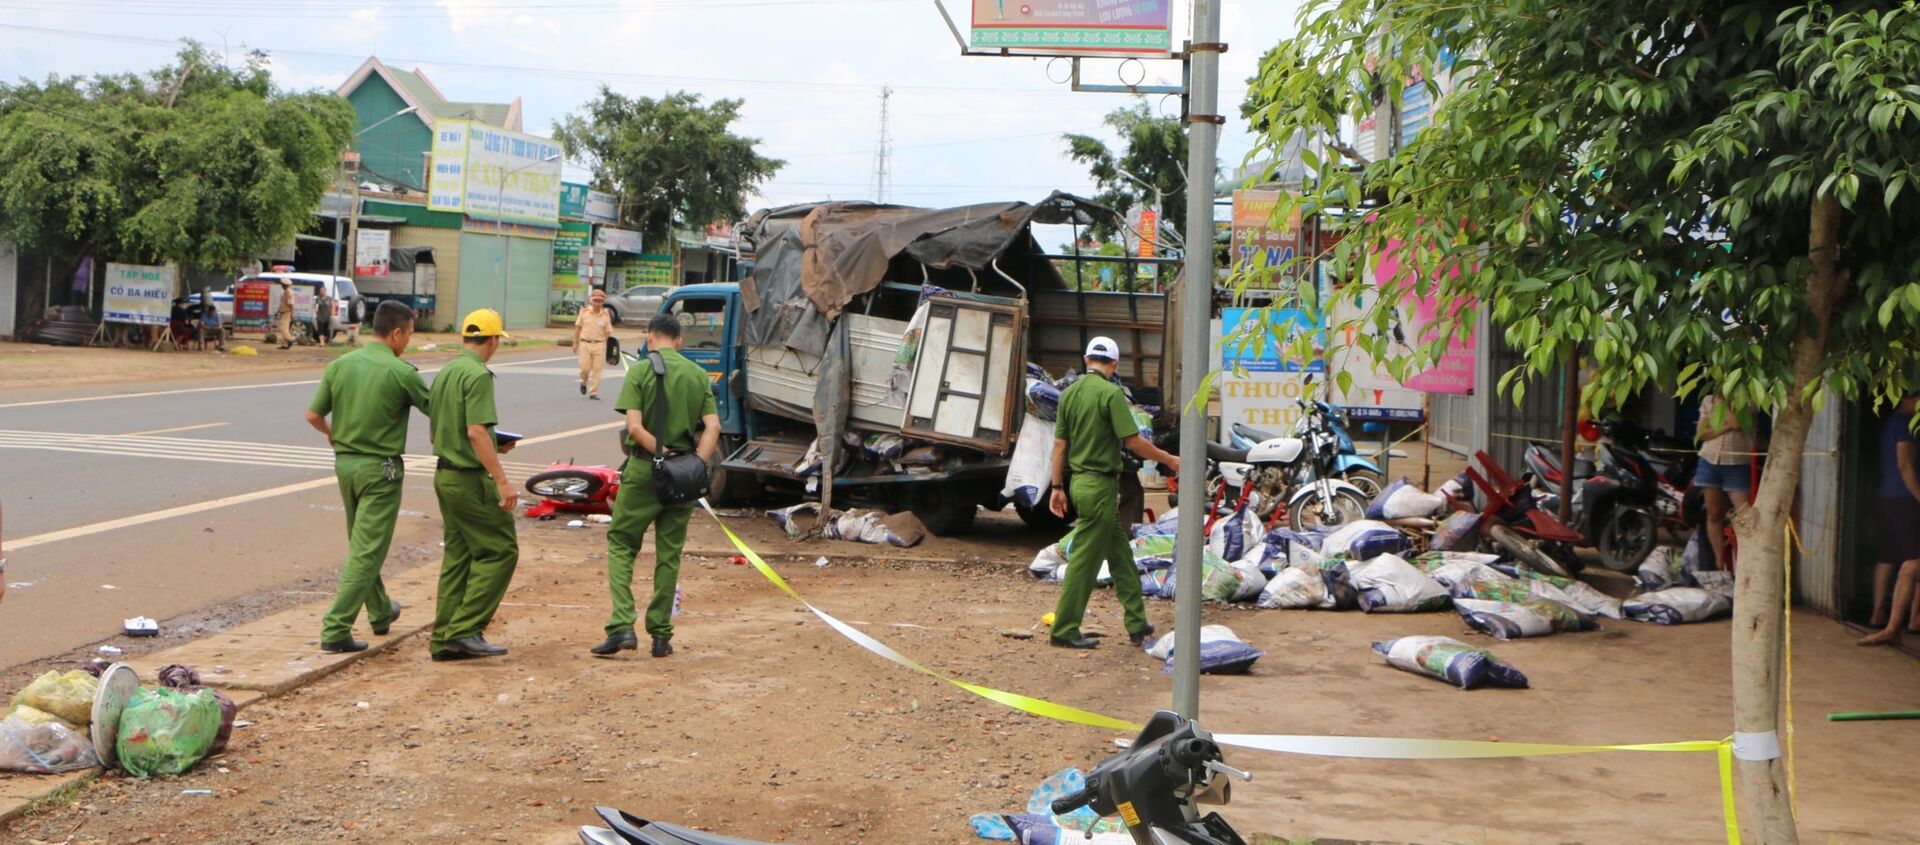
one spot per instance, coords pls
(443, 464)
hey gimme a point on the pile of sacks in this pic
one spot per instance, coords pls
(70, 721)
(1678, 586)
(1030, 469)
(861, 525)
(890, 454)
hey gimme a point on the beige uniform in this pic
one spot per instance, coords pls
(283, 319)
(595, 327)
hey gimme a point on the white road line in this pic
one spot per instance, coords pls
(185, 390)
(175, 429)
(171, 447)
(243, 498)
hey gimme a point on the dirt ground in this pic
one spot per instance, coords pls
(24, 365)
(768, 725)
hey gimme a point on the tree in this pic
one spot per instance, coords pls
(1707, 196)
(1156, 153)
(671, 160)
(196, 164)
(1096, 275)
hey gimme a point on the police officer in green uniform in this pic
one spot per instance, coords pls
(476, 500)
(367, 392)
(690, 407)
(1092, 425)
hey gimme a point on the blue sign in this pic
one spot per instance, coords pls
(1265, 355)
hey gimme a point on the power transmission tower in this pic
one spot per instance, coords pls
(882, 158)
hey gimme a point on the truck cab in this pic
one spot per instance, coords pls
(710, 336)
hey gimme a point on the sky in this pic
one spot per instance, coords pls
(964, 129)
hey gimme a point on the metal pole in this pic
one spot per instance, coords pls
(1196, 306)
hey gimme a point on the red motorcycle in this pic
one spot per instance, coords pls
(567, 488)
(1512, 521)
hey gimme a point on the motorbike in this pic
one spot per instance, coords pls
(1513, 521)
(1148, 785)
(1346, 464)
(566, 487)
(1637, 486)
(1281, 476)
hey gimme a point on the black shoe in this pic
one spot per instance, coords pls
(1141, 636)
(615, 643)
(475, 646)
(1082, 643)
(595, 397)
(393, 615)
(443, 656)
(583, 388)
(345, 646)
(662, 646)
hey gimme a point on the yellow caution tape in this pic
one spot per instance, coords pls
(1378, 748)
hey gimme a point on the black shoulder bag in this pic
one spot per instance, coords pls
(677, 478)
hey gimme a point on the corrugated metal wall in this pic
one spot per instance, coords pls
(1510, 427)
(1816, 573)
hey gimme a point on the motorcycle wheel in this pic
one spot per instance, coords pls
(566, 485)
(1346, 508)
(1526, 551)
(1626, 538)
(1369, 482)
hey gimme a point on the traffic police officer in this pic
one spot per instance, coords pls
(690, 405)
(476, 500)
(1093, 423)
(367, 392)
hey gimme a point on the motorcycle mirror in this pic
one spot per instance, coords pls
(1590, 431)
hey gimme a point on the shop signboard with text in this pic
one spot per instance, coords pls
(139, 294)
(492, 174)
(1259, 243)
(1126, 28)
(252, 306)
(569, 292)
(617, 240)
(372, 252)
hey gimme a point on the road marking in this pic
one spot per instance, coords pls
(243, 498)
(186, 390)
(174, 430)
(219, 451)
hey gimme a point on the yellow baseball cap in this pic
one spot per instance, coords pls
(483, 323)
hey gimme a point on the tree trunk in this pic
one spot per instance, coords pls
(1758, 588)
(1569, 414)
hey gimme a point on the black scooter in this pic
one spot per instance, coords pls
(1638, 486)
(1148, 786)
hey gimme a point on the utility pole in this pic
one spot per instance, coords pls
(1196, 307)
(883, 154)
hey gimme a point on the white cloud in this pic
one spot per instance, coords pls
(361, 25)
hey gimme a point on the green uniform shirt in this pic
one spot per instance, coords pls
(1093, 418)
(689, 397)
(462, 396)
(367, 392)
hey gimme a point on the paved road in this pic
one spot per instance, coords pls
(160, 499)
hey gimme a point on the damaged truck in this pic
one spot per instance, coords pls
(881, 354)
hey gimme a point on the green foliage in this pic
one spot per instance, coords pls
(671, 159)
(1156, 152)
(197, 163)
(1087, 275)
(1633, 179)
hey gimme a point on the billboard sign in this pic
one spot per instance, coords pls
(138, 294)
(1258, 242)
(1413, 322)
(372, 252)
(492, 174)
(1125, 28)
(252, 306)
(618, 240)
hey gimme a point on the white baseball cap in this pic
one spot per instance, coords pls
(1103, 347)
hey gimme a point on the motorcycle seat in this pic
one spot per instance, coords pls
(1223, 455)
(1253, 434)
(638, 830)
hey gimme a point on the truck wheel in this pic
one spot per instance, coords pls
(1040, 517)
(945, 508)
(357, 310)
(731, 487)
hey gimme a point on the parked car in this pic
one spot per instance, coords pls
(222, 302)
(349, 308)
(636, 305)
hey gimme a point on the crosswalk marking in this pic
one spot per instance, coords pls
(210, 451)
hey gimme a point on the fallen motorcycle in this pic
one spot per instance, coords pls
(1173, 761)
(569, 488)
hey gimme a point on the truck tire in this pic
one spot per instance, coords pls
(728, 488)
(1040, 517)
(946, 508)
(356, 311)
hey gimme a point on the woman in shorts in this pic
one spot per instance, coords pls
(1724, 473)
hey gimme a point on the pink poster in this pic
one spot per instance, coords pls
(1413, 322)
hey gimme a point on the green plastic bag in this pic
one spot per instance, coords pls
(166, 732)
(68, 695)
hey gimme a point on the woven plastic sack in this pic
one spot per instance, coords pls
(1377, 509)
(1661, 569)
(1364, 539)
(1448, 659)
(1678, 605)
(1221, 652)
(1236, 536)
(43, 744)
(1050, 564)
(68, 695)
(1514, 620)
(1388, 584)
(166, 732)
(1457, 532)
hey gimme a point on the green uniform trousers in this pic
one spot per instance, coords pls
(1097, 537)
(370, 490)
(633, 511)
(482, 550)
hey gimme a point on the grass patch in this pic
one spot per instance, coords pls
(59, 799)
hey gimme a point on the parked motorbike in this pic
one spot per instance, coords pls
(1513, 521)
(1285, 471)
(1625, 497)
(1346, 464)
(1173, 761)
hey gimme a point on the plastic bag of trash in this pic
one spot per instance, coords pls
(1388, 584)
(1450, 660)
(1664, 568)
(1514, 620)
(1221, 652)
(165, 731)
(43, 744)
(1364, 539)
(185, 679)
(1050, 564)
(1236, 536)
(1457, 532)
(68, 695)
(1678, 605)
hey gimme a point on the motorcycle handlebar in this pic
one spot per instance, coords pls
(1069, 803)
